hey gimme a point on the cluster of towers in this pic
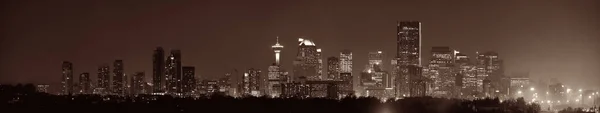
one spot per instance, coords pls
(107, 83)
(448, 73)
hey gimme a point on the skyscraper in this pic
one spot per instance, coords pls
(158, 70)
(346, 61)
(188, 79)
(333, 68)
(138, 83)
(409, 42)
(118, 78)
(408, 52)
(85, 83)
(442, 65)
(307, 64)
(346, 77)
(173, 72)
(273, 81)
(67, 78)
(417, 84)
(251, 82)
(103, 86)
(471, 86)
(490, 68)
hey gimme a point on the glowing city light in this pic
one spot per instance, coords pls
(532, 89)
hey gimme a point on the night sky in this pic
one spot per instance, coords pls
(547, 38)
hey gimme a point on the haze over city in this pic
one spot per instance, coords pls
(546, 39)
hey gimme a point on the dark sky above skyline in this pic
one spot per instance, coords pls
(547, 38)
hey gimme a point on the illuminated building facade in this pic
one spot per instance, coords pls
(417, 82)
(67, 78)
(558, 92)
(118, 78)
(85, 84)
(408, 52)
(274, 81)
(188, 80)
(519, 83)
(138, 84)
(376, 61)
(333, 68)
(490, 66)
(103, 84)
(224, 84)
(346, 61)
(251, 82)
(471, 85)
(443, 75)
(308, 62)
(42, 88)
(173, 72)
(158, 71)
(295, 89)
(208, 87)
(345, 73)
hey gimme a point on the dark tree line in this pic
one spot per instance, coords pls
(24, 99)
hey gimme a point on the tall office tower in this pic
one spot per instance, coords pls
(158, 70)
(400, 79)
(251, 82)
(138, 83)
(417, 82)
(408, 52)
(333, 68)
(442, 65)
(67, 78)
(273, 81)
(409, 42)
(85, 83)
(188, 79)
(306, 65)
(489, 67)
(103, 86)
(346, 61)
(346, 88)
(173, 72)
(118, 78)
(470, 84)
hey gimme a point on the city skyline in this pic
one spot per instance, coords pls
(94, 47)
